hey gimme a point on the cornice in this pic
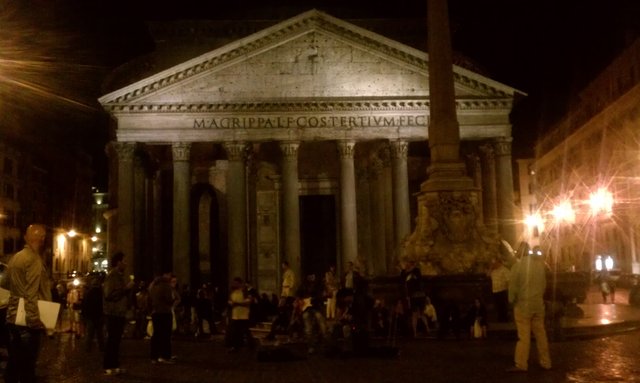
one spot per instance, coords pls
(304, 106)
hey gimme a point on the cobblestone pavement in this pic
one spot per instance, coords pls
(606, 359)
(592, 359)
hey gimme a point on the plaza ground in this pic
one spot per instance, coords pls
(609, 355)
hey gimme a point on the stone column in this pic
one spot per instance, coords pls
(387, 199)
(504, 189)
(489, 196)
(139, 221)
(291, 207)
(156, 224)
(181, 152)
(378, 255)
(237, 209)
(401, 209)
(125, 233)
(348, 211)
(365, 218)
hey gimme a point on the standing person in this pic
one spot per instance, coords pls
(416, 296)
(477, 320)
(27, 278)
(142, 310)
(500, 289)
(288, 281)
(313, 322)
(176, 310)
(526, 290)
(116, 292)
(162, 297)
(607, 286)
(331, 285)
(93, 314)
(240, 311)
(74, 301)
(204, 311)
(350, 278)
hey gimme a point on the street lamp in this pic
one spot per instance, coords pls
(535, 226)
(601, 202)
(563, 213)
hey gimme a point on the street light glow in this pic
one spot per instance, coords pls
(534, 221)
(601, 202)
(563, 212)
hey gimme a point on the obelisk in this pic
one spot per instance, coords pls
(446, 170)
(449, 237)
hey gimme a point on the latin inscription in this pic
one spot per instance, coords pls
(309, 122)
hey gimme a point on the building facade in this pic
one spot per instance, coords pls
(303, 141)
(589, 161)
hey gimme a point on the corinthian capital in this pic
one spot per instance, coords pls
(236, 151)
(124, 150)
(290, 149)
(487, 151)
(181, 151)
(399, 149)
(346, 149)
(502, 146)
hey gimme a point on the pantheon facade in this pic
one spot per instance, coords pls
(304, 141)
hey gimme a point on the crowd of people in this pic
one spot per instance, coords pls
(326, 311)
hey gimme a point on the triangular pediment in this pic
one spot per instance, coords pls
(311, 56)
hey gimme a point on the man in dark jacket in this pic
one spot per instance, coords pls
(162, 297)
(93, 313)
(116, 302)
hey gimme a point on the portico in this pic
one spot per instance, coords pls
(232, 141)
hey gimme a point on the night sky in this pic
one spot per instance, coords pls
(54, 54)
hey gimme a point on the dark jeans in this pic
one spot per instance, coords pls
(94, 329)
(501, 300)
(115, 328)
(240, 331)
(161, 339)
(23, 354)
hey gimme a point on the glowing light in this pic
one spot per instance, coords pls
(563, 212)
(534, 221)
(98, 230)
(599, 263)
(76, 282)
(72, 233)
(601, 202)
(608, 263)
(94, 238)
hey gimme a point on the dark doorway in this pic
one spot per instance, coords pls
(318, 246)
